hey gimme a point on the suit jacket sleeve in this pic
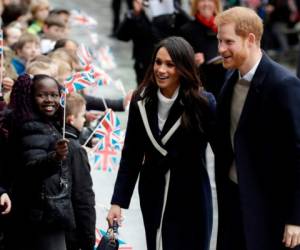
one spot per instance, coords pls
(290, 102)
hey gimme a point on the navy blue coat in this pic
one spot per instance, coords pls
(187, 222)
(267, 155)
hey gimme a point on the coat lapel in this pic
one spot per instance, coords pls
(224, 103)
(151, 110)
(174, 114)
(253, 98)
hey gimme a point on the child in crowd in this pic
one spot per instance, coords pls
(67, 44)
(26, 49)
(11, 34)
(42, 65)
(54, 29)
(64, 70)
(39, 11)
(64, 14)
(83, 198)
(68, 56)
(40, 166)
(15, 12)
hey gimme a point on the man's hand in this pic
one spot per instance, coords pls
(291, 236)
(5, 203)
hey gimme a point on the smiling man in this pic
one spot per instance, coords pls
(258, 142)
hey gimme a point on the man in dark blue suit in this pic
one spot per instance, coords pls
(258, 142)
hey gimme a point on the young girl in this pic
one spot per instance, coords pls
(38, 155)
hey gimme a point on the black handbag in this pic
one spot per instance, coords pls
(109, 241)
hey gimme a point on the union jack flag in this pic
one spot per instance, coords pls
(101, 77)
(78, 81)
(107, 152)
(122, 244)
(82, 19)
(106, 158)
(110, 127)
(84, 55)
(106, 58)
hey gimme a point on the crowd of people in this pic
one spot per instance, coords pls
(45, 173)
(202, 77)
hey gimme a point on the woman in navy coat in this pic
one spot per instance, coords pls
(167, 134)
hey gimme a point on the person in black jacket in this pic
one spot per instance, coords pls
(116, 8)
(82, 195)
(145, 32)
(37, 159)
(201, 33)
(137, 27)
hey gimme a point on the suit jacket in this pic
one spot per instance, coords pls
(186, 162)
(267, 155)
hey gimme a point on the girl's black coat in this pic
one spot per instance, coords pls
(36, 171)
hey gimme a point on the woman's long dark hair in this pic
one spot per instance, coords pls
(22, 100)
(191, 90)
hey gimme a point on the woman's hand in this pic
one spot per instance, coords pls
(5, 203)
(115, 213)
(61, 149)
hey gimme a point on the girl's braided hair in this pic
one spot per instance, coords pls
(21, 98)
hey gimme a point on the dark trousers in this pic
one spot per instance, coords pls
(231, 231)
(116, 7)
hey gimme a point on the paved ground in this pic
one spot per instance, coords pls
(132, 230)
